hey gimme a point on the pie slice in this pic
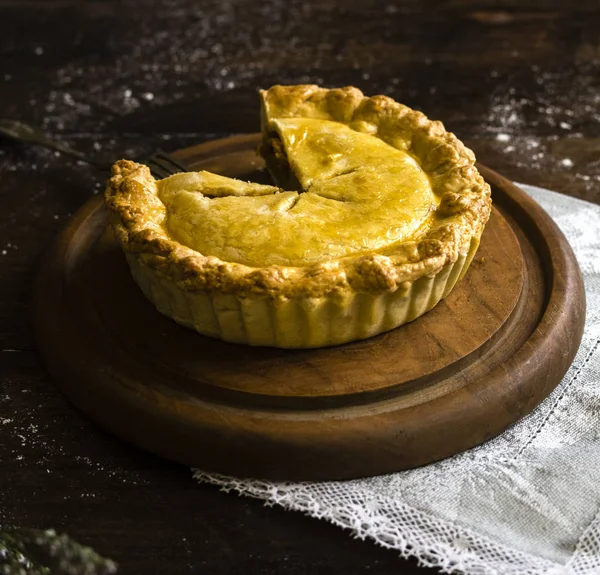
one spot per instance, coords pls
(376, 215)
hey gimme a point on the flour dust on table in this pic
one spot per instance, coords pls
(525, 503)
(567, 106)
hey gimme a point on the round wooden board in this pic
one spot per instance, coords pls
(459, 375)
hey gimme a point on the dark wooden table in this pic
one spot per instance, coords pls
(519, 81)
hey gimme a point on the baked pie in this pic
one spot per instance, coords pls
(376, 213)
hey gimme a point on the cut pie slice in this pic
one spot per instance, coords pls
(376, 214)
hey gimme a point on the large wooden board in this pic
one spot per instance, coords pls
(459, 375)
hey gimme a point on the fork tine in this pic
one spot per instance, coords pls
(167, 158)
(163, 165)
(157, 170)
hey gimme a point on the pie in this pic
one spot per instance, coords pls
(376, 213)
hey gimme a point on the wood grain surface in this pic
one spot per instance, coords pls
(508, 332)
(517, 80)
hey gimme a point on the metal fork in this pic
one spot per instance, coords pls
(161, 164)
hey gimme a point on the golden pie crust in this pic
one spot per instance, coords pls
(332, 300)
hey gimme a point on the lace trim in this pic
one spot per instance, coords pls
(394, 525)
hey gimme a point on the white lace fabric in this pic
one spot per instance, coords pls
(526, 502)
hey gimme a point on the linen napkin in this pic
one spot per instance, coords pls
(526, 502)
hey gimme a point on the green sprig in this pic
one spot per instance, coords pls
(38, 552)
